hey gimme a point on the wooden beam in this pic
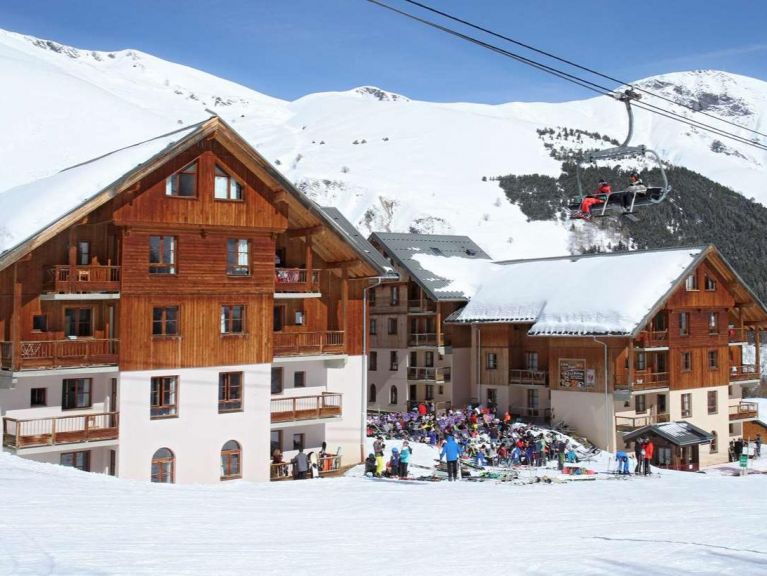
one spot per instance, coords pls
(311, 231)
(343, 264)
(281, 196)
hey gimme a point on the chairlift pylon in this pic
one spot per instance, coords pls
(625, 201)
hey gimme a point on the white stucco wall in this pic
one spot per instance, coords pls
(384, 379)
(197, 435)
(719, 422)
(585, 413)
(99, 457)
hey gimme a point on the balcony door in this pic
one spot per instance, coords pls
(83, 253)
(279, 318)
(531, 361)
(78, 322)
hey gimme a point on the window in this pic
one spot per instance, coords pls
(183, 183)
(640, 403)
(392, 325)
(79, 460)
(83, 253)
(372, 393)
(447, 373)
(531, 360)
(230, 460)
(164, 466)
(238, 257)
(275, 441)
(394, 295)
(278, 320)
(660, 362)
(299, 379)
(393, 395)
(691, 283)
(641, 359)
(533, 401)
(684, 323)
(709, 284)
(659, 322)
(492, 396)
(372, 297)
(373, 326)
(440, 390)
(298, 441)
(232, 319)
(164, 397)
(713, 408)
(713, 359)
(162, 255)
(393, 361)
(38, 397)
(277, 381)
(429, 392)
(373, 361)
(230, 391)
(165, 321)
(686, 405)
(714, 448)
(225, 187)
(491, 361)
(76, 393)
(713, 323)
(428, 359)
(77, 322)
(413, 358)
(686, 361)
(40, 323)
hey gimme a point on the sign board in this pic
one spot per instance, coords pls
(743, 460)
(573, 374)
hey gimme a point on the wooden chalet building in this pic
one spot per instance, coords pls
(614, 343)
(175, 311)
(413, 357)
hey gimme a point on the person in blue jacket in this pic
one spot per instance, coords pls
(623, 462)
(451, 451)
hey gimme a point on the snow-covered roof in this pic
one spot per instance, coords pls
(595, 294)
(30, 208)
(680, 433)
(353, 236)
(439, 263)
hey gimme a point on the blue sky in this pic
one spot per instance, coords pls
(288, 48)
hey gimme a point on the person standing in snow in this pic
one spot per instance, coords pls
(393, 466)
(639, 454)
(758, 443)
(300, 464)
(623, 462)
(649, 448)
(451, 451)
(378, 449)
(404, 459)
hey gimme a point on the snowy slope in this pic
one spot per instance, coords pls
(414, 164)
(57, 520)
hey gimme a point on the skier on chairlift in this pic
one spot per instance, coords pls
(597, 197)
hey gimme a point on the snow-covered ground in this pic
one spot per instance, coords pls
(55, 520)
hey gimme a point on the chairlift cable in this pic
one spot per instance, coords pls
(579, 66)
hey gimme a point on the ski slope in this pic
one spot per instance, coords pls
(55, 520)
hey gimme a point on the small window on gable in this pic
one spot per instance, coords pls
(691, 284)
(225, 186)
(183, 183)
(710, 284)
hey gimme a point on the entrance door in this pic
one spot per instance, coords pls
(533, 402)
(112, 463)
(661, 403)
(413, 396)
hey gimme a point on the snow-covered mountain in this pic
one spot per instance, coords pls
(387, 161)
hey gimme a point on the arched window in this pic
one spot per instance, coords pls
(164, 466)
(230, 460)
(372, 395)
(393, 395)
(714, 442)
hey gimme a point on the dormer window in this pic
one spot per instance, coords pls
(183, 183)
(226, 187)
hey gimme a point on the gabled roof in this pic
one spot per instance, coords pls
(605, 294)
(680, 433)
(34, 213)
(436, 277)
(361, 243)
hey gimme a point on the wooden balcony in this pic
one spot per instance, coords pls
(298, 408)
(427, 339)
(327, 466)
(528, 377)
(642, 381)
(307, 343)
(295, 280)
(386, 306)
(744, 372)
(741, 335)
(81, 279)
(744, 411)
(54, 354)
(421, 306)
(30, 433)
(653, 339)
(425, 374)
(625, 421)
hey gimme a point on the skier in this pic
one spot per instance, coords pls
(451, 452)
(393, 465)
(370, 464)
(599, 197)
(636, 186)
(378, 448)
(649, 448)
(623, 462)
(639, 454)
(404, 459)
(758, 443)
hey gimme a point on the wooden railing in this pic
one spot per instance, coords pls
(59, 430)
(296, 280)
(642, 381)
(741, 335)
(534, 377)
(73, 279)
(285, 470)
(425, 373)
(50, 354)
(421, 306)
(744, 410)
(306, 407)
(744, 372)
(653, 338)
(428, 339)
(635, 421)
(300, 343)
(385, 305)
